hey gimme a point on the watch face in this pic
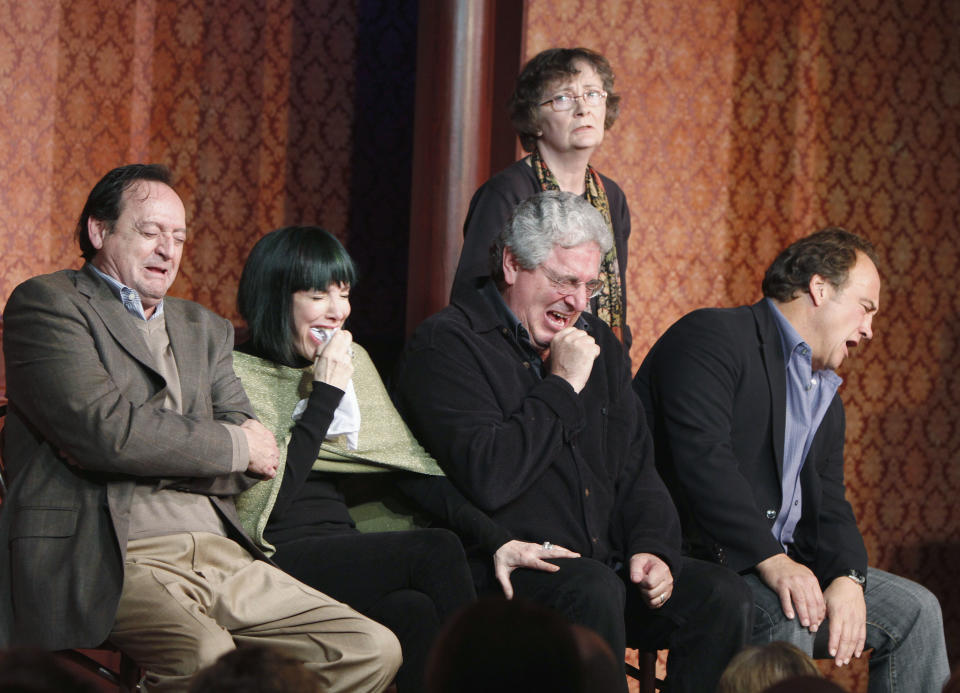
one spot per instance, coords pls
(854, 574)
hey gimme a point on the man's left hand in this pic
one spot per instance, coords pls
(653, 577)
(524, 554)
(847, 617)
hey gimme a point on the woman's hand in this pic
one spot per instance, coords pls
(524, 554)
(332, 362)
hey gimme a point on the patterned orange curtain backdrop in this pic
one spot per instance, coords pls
(747, 124)
(268, 112)
(253, 104)
(231, 95)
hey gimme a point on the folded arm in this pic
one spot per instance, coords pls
(70, 380)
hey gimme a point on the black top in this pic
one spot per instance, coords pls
(302, 508)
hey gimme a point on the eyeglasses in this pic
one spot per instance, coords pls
(567, 286)
(564, 102)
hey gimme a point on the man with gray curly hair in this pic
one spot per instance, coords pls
(524, 399)
(556, 219)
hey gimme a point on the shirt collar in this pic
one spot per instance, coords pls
(129, 297)
(795, 348)
(503, 312)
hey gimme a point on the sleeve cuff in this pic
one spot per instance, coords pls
(560, 396)
(241, 453)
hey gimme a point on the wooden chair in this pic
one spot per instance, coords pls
(646, 673)
(109, 665)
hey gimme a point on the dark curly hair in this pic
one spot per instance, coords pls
(831, 253)
(544, 69)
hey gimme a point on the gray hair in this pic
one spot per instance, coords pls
(545, 220)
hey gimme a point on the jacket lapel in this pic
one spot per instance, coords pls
(771, 351)
(185, 342)
(115, 316)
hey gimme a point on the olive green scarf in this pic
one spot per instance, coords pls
(385, 442)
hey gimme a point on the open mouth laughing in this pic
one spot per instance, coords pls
(559, 320)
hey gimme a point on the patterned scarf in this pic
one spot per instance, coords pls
(609, 304)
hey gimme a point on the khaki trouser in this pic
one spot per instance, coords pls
(188, 598)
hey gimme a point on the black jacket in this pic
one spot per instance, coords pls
(543, 461)
(714, 389)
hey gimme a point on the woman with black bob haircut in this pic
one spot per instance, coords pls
(329, 518)
(562, 105)
(282, 263)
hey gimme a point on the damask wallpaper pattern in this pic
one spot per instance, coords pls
(747, 124)
(253, 104)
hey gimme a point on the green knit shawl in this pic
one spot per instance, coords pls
(385, 443)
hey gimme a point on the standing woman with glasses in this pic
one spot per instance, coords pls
(561, 106)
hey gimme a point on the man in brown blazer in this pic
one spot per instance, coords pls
(127, 435)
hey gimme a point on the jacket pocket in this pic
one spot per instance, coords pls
(43, 522)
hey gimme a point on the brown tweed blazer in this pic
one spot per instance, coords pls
(85, 421)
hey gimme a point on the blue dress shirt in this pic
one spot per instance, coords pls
(809, 394)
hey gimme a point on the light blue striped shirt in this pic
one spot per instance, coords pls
(129, 297)
(809, 394)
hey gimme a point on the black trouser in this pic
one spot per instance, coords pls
(706, 621)
(411, 582)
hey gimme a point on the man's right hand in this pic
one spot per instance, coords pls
(572, 353)
(264, 454)
(524, 554)
(797, 587)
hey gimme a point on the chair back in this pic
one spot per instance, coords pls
(3, 368)
(3, 412)
(3, 471)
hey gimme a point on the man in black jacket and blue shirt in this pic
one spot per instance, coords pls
(749, 433)
(525, 401)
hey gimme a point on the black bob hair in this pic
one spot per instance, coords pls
(285, 261)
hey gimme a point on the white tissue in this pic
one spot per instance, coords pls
(323, 335)
(346, 419)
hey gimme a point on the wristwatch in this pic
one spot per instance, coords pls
(857, 577)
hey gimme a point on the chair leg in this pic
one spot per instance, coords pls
(645, 672)
(130, 674)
